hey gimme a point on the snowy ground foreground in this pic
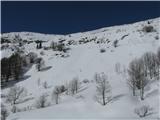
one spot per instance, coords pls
(84, 61)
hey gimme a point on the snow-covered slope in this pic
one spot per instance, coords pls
(83, 61)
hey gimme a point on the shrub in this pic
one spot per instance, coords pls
(148, 28)
(85, 81)
(59, 47)
(46, 48)
(102, 50)
(115, 43)
(63, 89)
(41, 102)
(157, 37)
(27, 108)
(70, 42)
(143, 110)
(42, 53)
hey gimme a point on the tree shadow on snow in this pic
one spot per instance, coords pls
(25, 100)
(82, 89)
(152, 93)
(117, 97)
(46, 68)
(11, 83)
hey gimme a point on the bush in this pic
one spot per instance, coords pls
(58, 46)
(102, 50)
(157, 37)
(115, 43)
(143, 110)
(148, 28)
(46, 48)
(42, 53)
(85, 81)
(27, 108)
(63, 89)
(41, 102)
(70, 42)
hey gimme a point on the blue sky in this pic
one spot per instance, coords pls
(69, 17)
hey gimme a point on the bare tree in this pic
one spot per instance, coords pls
(15, 94)
(133, 72)
(137, 78)
(4, 112)
(103, 89)
(41, 102)
(74, 85)
(150, 64)
(96, 77)
(158, 62)
(56, 94)
(143, 110)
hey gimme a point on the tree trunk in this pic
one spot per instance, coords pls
(57, 99)
(158, 72)
(134, 91)
(142, 94)
(103, 95)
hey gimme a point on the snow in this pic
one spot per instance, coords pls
(83, 62)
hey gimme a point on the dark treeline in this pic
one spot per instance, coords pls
(11, 68)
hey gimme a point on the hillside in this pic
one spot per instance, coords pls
(89, 53)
